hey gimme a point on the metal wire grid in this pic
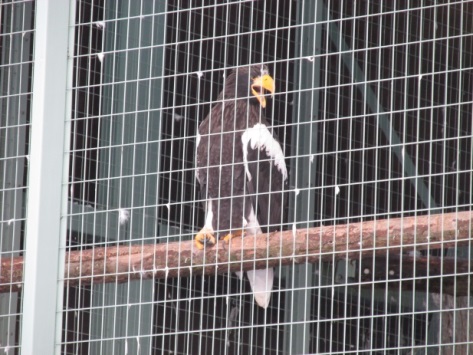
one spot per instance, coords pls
(83, 322)
(419, 79)
(374, 109)
(114, 147)
(16, 59)
(224, 40)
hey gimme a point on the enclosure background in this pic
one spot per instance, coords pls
(374, 111)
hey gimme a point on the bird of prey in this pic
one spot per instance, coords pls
(240, 168)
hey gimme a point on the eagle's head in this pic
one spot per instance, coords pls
(253, 82)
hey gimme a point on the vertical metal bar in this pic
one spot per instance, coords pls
(65, 178)
(300, 278)
(45, 175)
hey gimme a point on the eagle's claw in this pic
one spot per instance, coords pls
(229, 236)
(204, 237)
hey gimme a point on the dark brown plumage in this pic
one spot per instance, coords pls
(240, 165)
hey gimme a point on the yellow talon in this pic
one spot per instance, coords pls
(229, 236)
(205, 236)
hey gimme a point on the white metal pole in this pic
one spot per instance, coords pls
(45, 177)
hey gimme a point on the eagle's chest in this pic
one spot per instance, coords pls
(225, 149)
(225, 138)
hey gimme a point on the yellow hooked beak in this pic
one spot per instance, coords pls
(260, 85)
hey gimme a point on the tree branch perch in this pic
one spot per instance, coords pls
(122, 263)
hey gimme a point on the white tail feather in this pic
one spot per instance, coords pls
(261, 282)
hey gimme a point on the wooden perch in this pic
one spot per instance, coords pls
(121, 263)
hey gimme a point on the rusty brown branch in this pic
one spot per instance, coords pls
(120, 263)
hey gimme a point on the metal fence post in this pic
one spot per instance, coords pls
(42, 255)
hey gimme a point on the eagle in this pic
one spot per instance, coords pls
(240, 168)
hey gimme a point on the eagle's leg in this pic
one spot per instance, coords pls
(205, 236)
(229, 236)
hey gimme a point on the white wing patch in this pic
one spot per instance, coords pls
(260, 138)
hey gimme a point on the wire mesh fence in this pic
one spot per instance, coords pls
(16, 55)
(369, 239)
